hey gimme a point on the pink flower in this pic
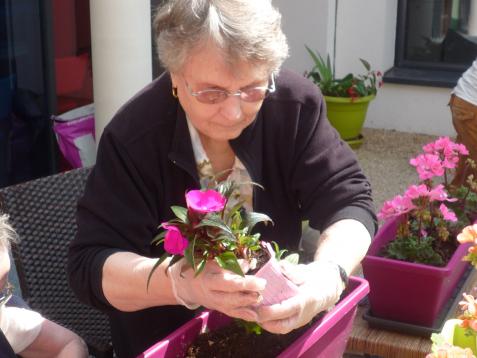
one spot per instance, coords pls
(397, 206)
(174, 242)
(461, 148)
(440, 194)
(416, 191)
(205, 201)
(448, 215)
(427, 166)
(447, 151)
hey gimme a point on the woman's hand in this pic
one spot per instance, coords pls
(320, 287)
(216, 288)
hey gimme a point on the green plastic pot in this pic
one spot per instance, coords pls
(454, 334)
(348, 115)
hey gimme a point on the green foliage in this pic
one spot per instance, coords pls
(414, 249)
(249, 327)
(224, 236)
(354, 86)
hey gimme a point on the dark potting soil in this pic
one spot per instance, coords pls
(233, 341)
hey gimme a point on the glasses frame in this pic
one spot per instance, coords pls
(239, 93)
(6, 293)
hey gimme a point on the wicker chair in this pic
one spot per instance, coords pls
(43, 213)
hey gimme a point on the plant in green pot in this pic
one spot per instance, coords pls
(347, 99)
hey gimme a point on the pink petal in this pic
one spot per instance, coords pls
(205, 201)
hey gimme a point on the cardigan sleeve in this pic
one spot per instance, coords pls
(326, 175)
(116, 213)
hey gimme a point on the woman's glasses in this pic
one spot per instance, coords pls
(252, 94)
(6, 293)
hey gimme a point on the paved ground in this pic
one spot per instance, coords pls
(384, 157)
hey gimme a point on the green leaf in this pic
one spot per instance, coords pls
(365, 64)
(215, 223)
(324, 68)
(189, 254)
(228, 261)
(175, 258)
(181, 213)
(249, 327)
(159, 238)
(236, 208)
(156, 265)
(200, 267)
(253, 218)
(293, 258)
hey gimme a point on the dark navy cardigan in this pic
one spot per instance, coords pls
(145, 164)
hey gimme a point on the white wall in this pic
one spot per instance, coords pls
(307, 22)
(367, 29)
(416, 109)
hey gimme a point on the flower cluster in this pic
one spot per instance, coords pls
(445, 344)
(469, 312)
(469, 235)
(353, 86)
(446, 350)
(212, 227)
(434, 211)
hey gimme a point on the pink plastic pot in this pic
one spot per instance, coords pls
(279, 288)
(326, 338)
(409, 292)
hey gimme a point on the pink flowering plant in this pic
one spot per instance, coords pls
(211, 228)
(433, 211)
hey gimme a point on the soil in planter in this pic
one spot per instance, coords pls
(233, 341)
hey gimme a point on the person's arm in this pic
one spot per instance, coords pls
(320, 283)
(124, 282)
(344, 243)
(125, 278)
(55, 341)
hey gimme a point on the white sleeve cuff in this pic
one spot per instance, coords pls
(20, 326)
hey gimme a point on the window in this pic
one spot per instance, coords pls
(436, 41)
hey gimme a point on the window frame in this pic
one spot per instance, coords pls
(418, 72)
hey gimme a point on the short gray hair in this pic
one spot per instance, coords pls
(7, 233)
(247, 30)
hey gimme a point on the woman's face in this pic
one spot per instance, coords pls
(206, 69)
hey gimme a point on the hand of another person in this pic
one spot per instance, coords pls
(217, 289)
(320, 287)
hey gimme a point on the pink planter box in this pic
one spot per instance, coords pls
(408, 292)
(326, 338)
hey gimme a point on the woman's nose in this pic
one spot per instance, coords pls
(232, 108)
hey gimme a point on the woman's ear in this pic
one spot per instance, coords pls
(174, 79)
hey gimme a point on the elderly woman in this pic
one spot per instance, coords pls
(222, 104)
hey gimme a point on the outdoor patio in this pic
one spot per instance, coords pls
(384, 157)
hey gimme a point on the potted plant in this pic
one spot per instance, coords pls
(215, 226)
(459, 335)
(325, 337)
(347, 99)
(415, 261)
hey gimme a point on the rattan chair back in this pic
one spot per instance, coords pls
(43, 213)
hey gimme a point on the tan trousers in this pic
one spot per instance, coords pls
(464, 119)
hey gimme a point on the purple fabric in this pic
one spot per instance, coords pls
(68, 133)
